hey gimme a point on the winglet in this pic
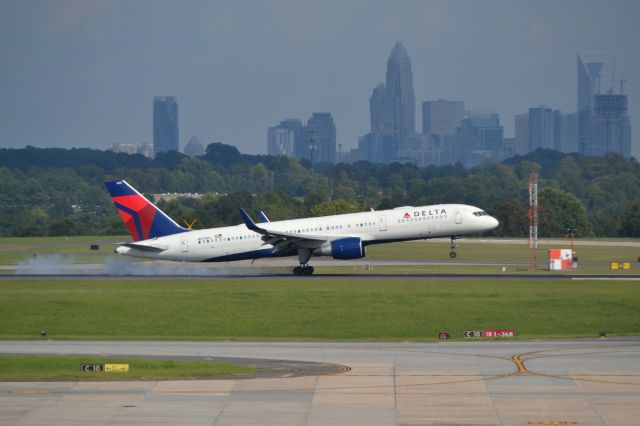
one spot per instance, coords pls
(248, 221)
(263, 217)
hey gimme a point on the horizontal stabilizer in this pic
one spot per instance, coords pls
(144, 247)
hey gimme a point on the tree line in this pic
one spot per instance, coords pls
(57, 191)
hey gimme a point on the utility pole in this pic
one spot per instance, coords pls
(533, 220)
(312, 143)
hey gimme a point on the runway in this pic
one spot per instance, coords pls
(586, 382)
(354, 276)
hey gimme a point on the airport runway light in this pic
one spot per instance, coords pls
(43, 333)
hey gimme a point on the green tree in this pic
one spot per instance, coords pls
(559, 211)
(630, 221)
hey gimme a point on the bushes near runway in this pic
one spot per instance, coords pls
(314, 309)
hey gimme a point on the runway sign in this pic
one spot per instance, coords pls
(97, 367)
(91, 367)
(499, 333)
(488, 333)
(116, 368)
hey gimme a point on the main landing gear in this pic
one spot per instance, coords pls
(303, 269)
(303, 257)
(452, 253)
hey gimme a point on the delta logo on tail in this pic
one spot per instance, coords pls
(142, 218)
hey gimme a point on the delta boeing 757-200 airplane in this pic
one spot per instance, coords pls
(344, 236)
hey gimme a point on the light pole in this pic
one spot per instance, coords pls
(571, 233)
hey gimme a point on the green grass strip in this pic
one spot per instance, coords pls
(68, 368)
(314, 310)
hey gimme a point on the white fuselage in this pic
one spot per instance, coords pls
(399, 224)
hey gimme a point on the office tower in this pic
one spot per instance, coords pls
(522, 134)
(569, 133)
(165, 124)
(280, 141)
(379, 110)
(610, 128)
(401, 100)
(593, 72)
(299, 142)
(487, 128)
(542, 126)
(376, 147)
(441, 117)
(194, 147)
(322, 131)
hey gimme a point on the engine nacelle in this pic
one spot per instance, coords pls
(343, 248)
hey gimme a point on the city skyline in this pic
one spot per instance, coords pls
(82, 73)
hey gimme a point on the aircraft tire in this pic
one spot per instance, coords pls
(297, 270)
(307, 270)
(452, 255)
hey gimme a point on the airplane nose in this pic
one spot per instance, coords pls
(493, 222)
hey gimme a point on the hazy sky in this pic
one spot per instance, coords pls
(84, 73)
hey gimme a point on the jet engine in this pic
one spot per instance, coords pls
(343, 248)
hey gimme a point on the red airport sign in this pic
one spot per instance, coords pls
(488, 333)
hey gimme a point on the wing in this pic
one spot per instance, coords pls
(286, 241)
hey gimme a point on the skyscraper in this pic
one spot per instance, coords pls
(379, 110)
(299, 143)
(401, 99)
(441, 117)
(542, 125)
(593, 70)
(487, 128)
(522, 134)
(165, 124)
(569, 133)
(323, 131)
(610, 128)
(280, 141)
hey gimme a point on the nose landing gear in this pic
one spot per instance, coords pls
(452, 253)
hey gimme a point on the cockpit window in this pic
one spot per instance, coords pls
(480, 213)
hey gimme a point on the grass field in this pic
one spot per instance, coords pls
(23, 367)
(299, 309)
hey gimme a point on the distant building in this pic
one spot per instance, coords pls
(146, 149)
(288, 138)
(593, 71)
(610, 128)
(165, 124)
(441, 117)
(569, 133)
(280, 141)
(380, 110)
(522, 134)
(401, 99)
(126, 148)
(194, 147)
(377, 148)
(321, 132)
(487, 128)
(542, 123)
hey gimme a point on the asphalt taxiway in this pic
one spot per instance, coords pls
(585, 382)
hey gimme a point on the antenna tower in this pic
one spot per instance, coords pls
(533, 220)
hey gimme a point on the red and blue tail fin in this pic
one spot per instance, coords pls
(143, 219)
